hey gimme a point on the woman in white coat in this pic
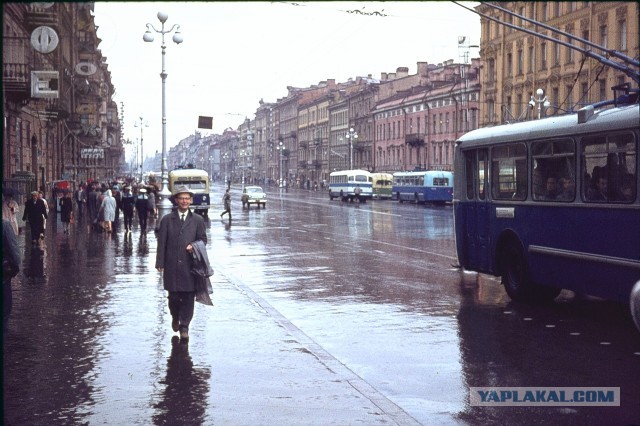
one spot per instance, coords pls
(108, 210)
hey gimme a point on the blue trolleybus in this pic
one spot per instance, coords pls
(552, 204)
(343, 184)
(431, 186)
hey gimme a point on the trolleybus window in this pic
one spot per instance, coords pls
(553, 162)
(509, 172)
(482, 172)
(470, 160)
(609, 168)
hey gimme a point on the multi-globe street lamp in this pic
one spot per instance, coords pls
(142, 125)
(540, 100)
(352, 136)
(164, 205)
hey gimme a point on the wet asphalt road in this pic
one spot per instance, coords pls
(368, 286)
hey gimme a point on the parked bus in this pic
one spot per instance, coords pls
(552, 204)
(428, 186)
(197, 181)
(381, 184)
(343, 184)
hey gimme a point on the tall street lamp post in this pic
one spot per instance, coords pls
(225, 159)
(243, 157)
(280, 148)
(142, 125)
(164, 205)
(352, 136)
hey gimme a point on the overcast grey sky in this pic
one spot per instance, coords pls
(236, 53)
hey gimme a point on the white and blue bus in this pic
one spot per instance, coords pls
(343, 184)
(427, 186)
(552, 204)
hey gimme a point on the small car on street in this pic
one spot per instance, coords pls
(253, 195)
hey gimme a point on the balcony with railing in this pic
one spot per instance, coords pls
(37, 16)
(17, 65)
(414, 139)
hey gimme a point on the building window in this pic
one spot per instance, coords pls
(585, 93)
(555, 97)
(530, 67)
(520, 62)
(569, 97)
(543, 56)
(585, 36)
(556, 9)
(509, 65)
(622, 34)
(569, 51)
(491, 110)
(491, 70)
(603, 89)
(544, 12)
(603, 36)
(556, 53)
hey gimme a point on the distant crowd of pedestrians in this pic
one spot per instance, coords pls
(94, 204)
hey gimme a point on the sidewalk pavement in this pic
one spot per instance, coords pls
(275, 374)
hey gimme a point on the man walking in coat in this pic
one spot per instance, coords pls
(177, 231)
(35, 211)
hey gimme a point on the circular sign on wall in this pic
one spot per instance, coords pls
(85, 68)
(44, 39)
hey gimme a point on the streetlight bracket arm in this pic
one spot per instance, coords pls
(153, 28)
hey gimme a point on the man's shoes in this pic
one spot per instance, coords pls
(184, 333)
(175, 325)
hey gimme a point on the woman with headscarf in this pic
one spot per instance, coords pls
(108, 210)
(10, 209)
(66, 211)
(142, 207)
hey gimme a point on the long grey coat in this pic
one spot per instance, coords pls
(173, 238)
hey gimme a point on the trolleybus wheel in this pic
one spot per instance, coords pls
(516, 280)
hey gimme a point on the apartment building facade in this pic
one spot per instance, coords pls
(60, 118)
(517, 64)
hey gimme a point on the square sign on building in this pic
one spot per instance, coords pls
(205, 122)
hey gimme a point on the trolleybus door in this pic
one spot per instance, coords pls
(477, 211)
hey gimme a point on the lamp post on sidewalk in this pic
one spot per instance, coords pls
(142, 125)
(280, 148)
(352, 136)
(164, 206)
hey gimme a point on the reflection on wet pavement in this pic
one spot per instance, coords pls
(369, 287)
